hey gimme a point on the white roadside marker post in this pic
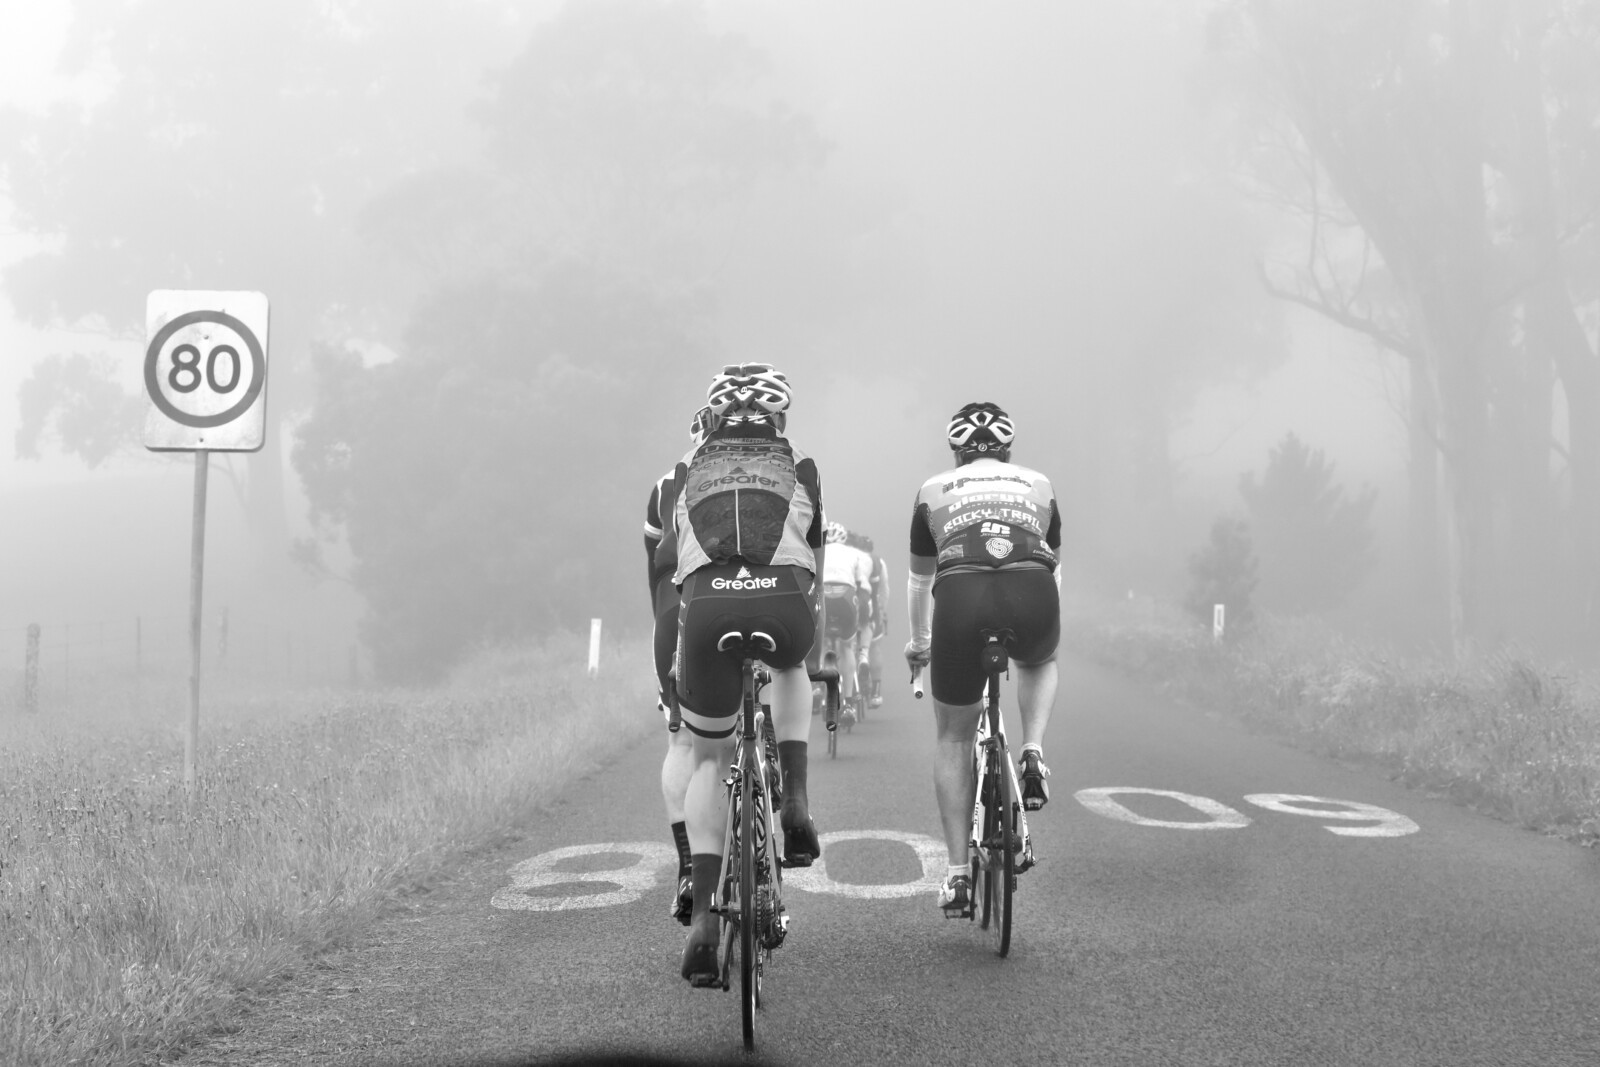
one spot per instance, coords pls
(1217, 613)
(594, 648)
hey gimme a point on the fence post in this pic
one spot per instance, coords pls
(30, 675)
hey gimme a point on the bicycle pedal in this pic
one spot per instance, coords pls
(706, 981)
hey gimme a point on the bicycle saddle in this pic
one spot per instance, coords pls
(747, 644)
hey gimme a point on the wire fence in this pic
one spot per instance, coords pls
(45, 664)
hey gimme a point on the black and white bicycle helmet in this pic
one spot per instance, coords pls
(834, 533)
(748, 392)
(980, 429)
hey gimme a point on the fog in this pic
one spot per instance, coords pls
(507, 245)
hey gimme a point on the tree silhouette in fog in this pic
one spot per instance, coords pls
(1442, 160)
(489, 479)
(1223, 572)
(232, 150)
(1314, 544)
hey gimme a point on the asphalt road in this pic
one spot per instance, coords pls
(1430, 936)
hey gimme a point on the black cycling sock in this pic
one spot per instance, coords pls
(680, 837)
(792, 761)
(706, 870)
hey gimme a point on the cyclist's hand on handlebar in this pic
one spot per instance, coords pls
(917, 657)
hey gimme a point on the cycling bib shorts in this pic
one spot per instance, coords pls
(775, 600)
(1024, 600)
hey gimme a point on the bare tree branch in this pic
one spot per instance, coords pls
(1340, 315)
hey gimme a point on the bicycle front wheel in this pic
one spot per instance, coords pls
(749, 936)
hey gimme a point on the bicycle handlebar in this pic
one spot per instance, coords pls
(916, 682)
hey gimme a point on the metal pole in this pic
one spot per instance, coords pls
(197, 567)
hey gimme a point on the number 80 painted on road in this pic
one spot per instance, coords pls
(623, 872)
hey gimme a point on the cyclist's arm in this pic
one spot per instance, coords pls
(652, 540)
(919, 581)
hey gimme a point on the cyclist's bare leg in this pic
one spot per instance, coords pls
(1036, 697)
(953, 781)
(791, 723)
(677, 766)
(706, 812)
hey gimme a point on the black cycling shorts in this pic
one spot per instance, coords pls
(666, 631)
(1024, 601)
(736, 596)
(844, 610)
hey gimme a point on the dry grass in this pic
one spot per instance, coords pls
(1507, 735)
(131, 914)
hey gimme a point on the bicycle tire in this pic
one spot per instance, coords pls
(1006, 872)
(749, 936)
(983, 884)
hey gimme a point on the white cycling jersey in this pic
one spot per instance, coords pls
(844, 565)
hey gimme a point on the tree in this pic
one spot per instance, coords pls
(1442, 154)
(1224, 572)
(1315, 545)
(233, 152)
(487, 480)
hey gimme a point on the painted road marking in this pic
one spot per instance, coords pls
(622, 880)
(1389, 823)
(622, 872)
(1218, 816)
(814, 879)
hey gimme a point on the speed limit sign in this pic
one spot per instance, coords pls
(205, 370)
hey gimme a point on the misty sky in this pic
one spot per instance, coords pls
(996, 139)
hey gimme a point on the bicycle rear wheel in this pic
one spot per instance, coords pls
(997, 881)
(749, 936)
(1005, 873)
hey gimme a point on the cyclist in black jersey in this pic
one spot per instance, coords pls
(984, 543)
(678, 763)
(745, 542)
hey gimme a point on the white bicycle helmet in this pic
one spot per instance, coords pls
(980, 428)
(753, 391)
(834, 533)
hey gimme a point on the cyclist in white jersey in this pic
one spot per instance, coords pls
(984, 543)
(847, 605)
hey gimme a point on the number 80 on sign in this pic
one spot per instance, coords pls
(205, 370)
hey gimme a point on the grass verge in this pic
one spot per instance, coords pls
(1506, 736)
(132, 915)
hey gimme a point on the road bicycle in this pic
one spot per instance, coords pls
(748, 900)
(1000, 845)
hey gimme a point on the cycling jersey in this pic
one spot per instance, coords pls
(847, 566)
(746, 492)
(986, 515)
(656, 511)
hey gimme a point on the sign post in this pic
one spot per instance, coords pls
(205, 373)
